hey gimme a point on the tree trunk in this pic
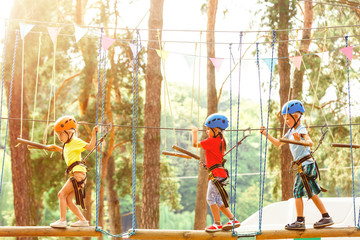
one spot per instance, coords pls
(284, 73)
(201, 204)
(304, 48)
(113, 199)
(153, 78)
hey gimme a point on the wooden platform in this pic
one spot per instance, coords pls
(42, 231)
(266, 234)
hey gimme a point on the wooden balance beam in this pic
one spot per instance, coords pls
(265, 234)
(47, 231)
(344, 145)
(175, 154)
(285, 140)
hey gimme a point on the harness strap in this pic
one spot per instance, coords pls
(305, 177)
(79, 194)
(219, 165)
(70, 168)
(219, 186)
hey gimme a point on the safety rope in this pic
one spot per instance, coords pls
(97, 121)
(36, 87)
(230, 125)
(351, 144)
(9, 107)
(261, 136)
(3, 70)
(262, 184)
(192, 98)
(237, 132)
(52, 91)
(198, 112)
(135, 118)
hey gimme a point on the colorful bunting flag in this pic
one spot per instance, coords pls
(163, 54)
(79, 32)
(297, 61)
(217, 62)
(268, 61)
(107, 42)
(189, 60)
(348, 51)
(25, 29)
(54, 32)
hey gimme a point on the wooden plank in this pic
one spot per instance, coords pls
(33, 145)
(42, 231)
(175, 154)
(180, 234)
(285, 140)
(310, 233)
(344, 145)
(186, 152)
(266, 234)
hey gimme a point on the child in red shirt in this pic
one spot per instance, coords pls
(215, 146)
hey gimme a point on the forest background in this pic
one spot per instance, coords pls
(321, 84)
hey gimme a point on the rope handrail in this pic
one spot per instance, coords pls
(180, 30)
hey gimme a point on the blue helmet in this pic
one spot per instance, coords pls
(217, 120)
(292, 107)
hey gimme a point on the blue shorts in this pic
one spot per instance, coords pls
(213, 195)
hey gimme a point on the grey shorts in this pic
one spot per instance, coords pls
(213, 195)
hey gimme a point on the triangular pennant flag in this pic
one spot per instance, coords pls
(189, 60)
(217, 62)
(134, 49)
(348, 51)
(163, 54)
(297, 61)
(79, 32)
(25, 29)
(107, 42)
(268, 61)
(54, 32)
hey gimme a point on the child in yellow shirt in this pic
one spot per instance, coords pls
(65, 128)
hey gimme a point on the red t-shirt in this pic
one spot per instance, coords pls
(213, 155)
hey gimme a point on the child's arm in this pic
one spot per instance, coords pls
(273, 140)
(92, 143)
(194, 131)
(305, 136)
(54, 148)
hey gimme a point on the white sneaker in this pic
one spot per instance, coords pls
(59, 224)
(80, 224)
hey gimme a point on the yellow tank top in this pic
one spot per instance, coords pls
(72, 153)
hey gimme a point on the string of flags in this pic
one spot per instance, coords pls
(80, 32)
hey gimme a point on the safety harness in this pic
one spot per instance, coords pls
(304, 176)
(219, 184)
(79, 186)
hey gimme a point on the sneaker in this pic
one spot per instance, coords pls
(80, 224)
(59, 224)
(324, 222)
(295, 226)
(214, 228)
(229, 225)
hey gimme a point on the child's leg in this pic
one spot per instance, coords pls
(299, 204)
(73, 207)
(227, 212)
(319, 204)
(62, 195)
(216, 213)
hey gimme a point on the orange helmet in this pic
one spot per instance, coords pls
(65, 123)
